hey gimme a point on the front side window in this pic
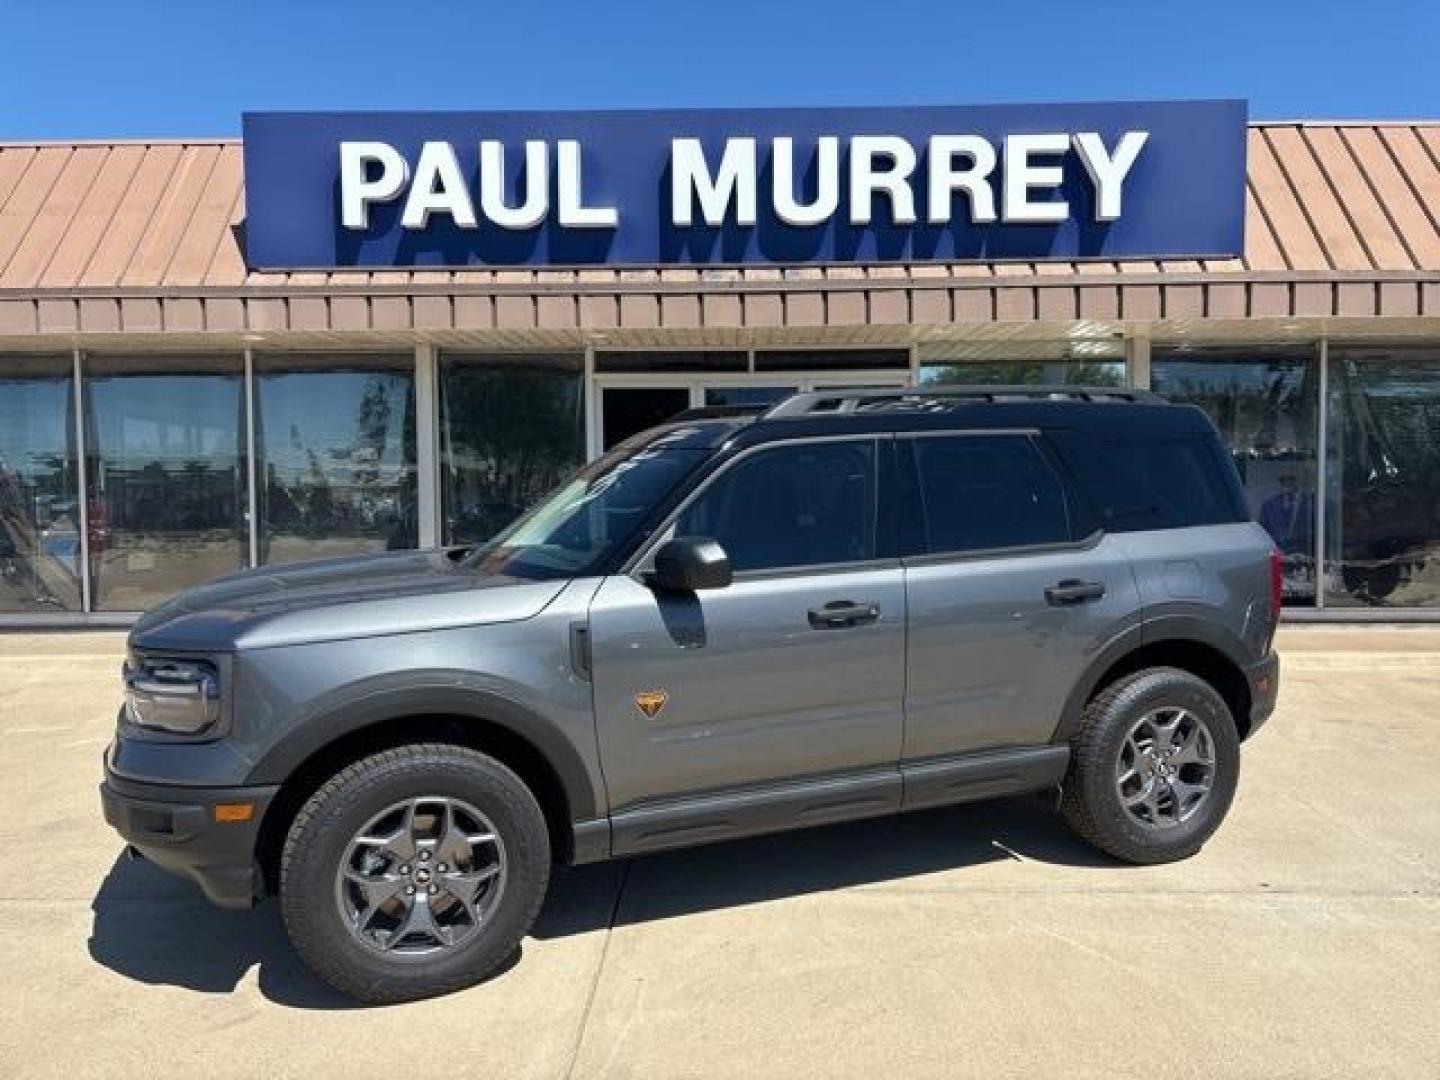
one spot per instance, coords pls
(809, 504)
(987, 491)
(586, 521)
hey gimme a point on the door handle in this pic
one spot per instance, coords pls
(840, 614)
(1073, 591)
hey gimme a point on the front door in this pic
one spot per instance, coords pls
(794, 671)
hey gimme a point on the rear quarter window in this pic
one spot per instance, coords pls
(1142, 482)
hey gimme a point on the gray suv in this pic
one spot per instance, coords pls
(855, 603)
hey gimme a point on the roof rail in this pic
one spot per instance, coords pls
(869, 399)
(716, 412)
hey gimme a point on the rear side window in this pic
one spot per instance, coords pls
(979, 492)
(1163, 484)
(807, 504)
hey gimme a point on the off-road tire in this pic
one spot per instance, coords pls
(1089, 799)
(320, 836)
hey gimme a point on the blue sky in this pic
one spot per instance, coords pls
(136, 68)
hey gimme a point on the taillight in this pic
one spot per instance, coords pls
(1277, 584)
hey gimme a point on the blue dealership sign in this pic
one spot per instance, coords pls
(733, 186)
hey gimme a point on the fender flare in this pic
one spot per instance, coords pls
(434, 693)
(1178, 626)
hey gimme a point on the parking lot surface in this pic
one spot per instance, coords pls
(977, 941)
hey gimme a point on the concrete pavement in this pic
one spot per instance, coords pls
(976, 941)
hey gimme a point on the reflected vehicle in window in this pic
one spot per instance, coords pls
(1383, 532)
(853, 604)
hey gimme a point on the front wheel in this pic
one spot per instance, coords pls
(1154, 768)
(414, 872)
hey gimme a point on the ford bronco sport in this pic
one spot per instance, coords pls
(856, 603)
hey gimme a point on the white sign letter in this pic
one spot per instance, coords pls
(827, 182)
(573, 211)
(1021, 176)
(535, 205)
(439, 185)
(892, 178)
(1107, 171)
(357, 190)
(973, 178)
(690, 179)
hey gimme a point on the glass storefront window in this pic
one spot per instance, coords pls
(831, 359)
(747, 395)
(39, 490)
(1084, 363)
(165, 467)
(1382, 498)
(511, 429)
(1265, 404)
(335, 455)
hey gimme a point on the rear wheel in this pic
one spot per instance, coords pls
(1154, 768)
(414, 872)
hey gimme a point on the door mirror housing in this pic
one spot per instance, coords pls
(690, 563)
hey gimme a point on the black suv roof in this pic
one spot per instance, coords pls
(834, 412)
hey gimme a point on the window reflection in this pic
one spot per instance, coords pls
(1383, 478)
(1265, 406)
(1025, 373)
(165, 469)
(39, 508)
(511, 431)
(747, 395)
(335, 449)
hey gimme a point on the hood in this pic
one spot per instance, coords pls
(338, 598)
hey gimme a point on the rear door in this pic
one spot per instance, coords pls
(1007, 601)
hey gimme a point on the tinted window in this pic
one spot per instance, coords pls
(981, 492)
(803, 505)
(1164, 484)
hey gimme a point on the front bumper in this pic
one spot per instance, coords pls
(1264, 679)
(174, 827)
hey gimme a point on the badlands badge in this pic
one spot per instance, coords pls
(650, 702)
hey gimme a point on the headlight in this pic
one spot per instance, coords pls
(181, 697)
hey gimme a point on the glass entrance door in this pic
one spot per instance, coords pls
(627, 405)
(628, 410)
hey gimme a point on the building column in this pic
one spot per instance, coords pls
(427, 448)
(1137, 361)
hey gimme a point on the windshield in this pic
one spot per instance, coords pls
(580, 525)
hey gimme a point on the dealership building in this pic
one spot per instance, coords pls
(222, 353)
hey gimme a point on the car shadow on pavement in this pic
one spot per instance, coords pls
(159, 930)
(870, 852)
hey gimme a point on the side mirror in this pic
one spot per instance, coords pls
(688, 563)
